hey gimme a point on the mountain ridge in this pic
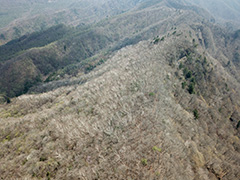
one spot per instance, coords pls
(151, 93)
(123, 115)
(74, 15)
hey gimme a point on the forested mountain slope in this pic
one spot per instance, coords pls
(156, 110)
(48, 51)
(21, 17)
(150, 93)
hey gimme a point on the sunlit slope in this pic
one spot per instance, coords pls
(132, 118)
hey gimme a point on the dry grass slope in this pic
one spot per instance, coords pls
(130, 120)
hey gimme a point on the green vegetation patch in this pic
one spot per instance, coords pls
(191, 88)
(195, 113)
(151, 94)
(144, 162)
(155, 148)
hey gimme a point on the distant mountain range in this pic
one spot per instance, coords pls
(21, 17)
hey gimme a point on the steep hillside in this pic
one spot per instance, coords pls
(132, 118)
(44, 56)
(37, 39)
(74, 45)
